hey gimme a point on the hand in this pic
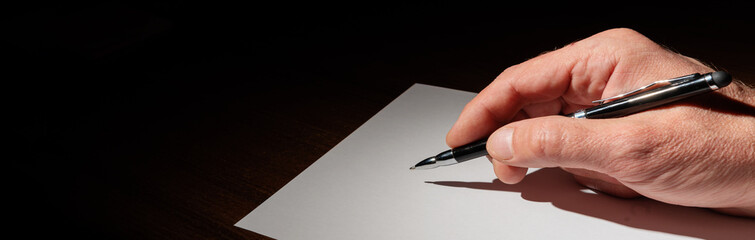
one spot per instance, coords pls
(698, 152)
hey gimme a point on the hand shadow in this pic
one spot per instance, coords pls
(558, 187)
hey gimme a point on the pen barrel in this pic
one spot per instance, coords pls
(652, 98)
(470, 151)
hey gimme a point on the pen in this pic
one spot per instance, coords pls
(649, 96)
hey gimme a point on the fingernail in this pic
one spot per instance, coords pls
(499, 144)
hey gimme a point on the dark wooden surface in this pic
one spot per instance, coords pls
(173, 120)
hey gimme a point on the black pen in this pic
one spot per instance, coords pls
(650, 96)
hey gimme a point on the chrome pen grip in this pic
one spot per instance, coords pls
(656, 97)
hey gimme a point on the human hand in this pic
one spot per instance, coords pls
(698, 152)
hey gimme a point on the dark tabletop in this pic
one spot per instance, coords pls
(173, 120)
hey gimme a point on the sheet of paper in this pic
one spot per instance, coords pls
(363, 189)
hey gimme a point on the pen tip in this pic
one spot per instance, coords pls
(411, 168)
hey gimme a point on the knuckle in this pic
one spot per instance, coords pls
(615, 34)
(622, 32)
(547, 141)
(511, 70)
(624, 38)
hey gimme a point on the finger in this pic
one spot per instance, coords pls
(556, 141)
(543, 108)
(571, 72)
(508, 174)
(498, 103)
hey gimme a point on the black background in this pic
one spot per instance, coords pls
(173, 119)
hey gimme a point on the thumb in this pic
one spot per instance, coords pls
(557, 141)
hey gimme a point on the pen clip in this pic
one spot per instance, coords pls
(648, 87)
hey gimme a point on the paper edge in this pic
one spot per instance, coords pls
(413, 86)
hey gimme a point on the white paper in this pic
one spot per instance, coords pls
(363, 189)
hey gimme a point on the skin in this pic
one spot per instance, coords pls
(698, 152)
